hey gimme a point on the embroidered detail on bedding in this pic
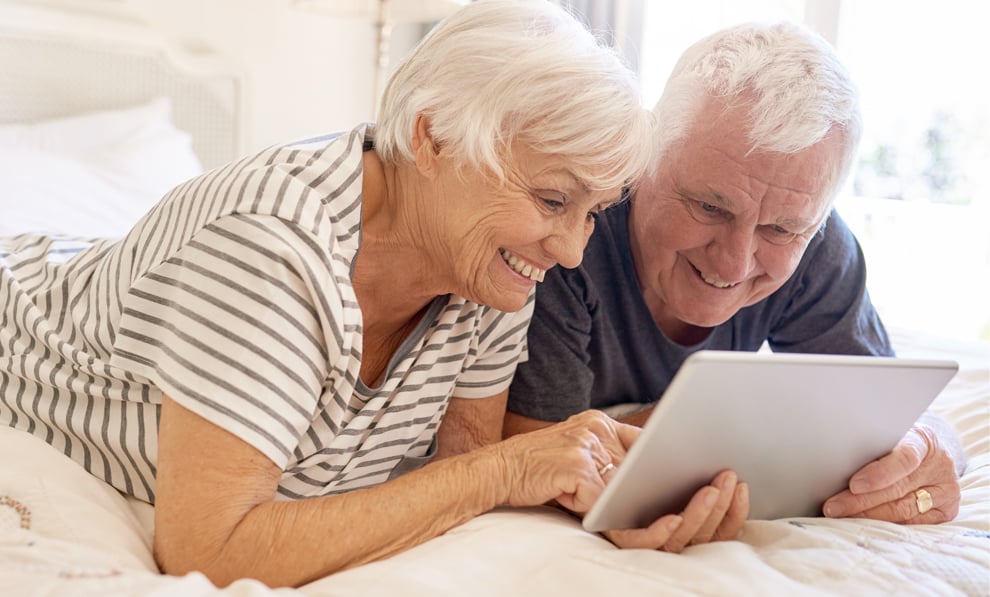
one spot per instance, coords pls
(80, 573)
(20, 517)
(946, 557)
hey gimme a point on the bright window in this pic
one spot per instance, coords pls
(919, 200)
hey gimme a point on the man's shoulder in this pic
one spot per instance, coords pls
(604, 267)
(832, 252)
(834, 240)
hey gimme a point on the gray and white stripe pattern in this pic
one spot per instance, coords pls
(233, 296)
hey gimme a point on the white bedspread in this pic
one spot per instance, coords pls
(62, 532)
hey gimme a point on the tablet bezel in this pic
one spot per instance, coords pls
(793, 453)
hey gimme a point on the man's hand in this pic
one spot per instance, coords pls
(891, 488)
(717, 512)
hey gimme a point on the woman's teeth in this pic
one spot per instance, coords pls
(522, 268)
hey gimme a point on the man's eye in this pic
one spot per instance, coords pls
(706, 213)
(777, 235)
(593, 216)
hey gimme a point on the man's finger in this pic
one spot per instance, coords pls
(903, 460)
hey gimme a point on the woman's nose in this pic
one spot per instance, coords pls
(567, 245)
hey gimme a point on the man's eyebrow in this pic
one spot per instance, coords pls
(720, 200)
(795, 224)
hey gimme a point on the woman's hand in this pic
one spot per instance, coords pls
(716, 512)
(562, 462)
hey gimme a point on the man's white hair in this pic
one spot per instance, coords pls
(788, 77)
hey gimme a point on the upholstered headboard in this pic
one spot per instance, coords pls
(58, 60)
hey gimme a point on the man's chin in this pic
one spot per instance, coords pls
(713, 312)
(708, 319)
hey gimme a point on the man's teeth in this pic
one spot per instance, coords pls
(714, 282)
(521, 267)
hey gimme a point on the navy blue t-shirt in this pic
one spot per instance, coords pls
(593, 342)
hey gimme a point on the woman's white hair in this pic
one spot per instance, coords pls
(790, 78)
(498, 72)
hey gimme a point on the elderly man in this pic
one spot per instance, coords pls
(730, 243)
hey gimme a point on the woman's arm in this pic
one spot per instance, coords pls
(215, 510)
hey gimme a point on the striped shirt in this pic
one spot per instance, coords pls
(233, 296)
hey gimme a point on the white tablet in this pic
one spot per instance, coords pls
(795, 427)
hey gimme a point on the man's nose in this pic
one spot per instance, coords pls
(735, 254)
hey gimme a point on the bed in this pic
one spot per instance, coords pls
(99, 108)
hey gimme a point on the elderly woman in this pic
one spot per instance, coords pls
(269, 354)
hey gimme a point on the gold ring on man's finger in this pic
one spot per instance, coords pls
(923, 500)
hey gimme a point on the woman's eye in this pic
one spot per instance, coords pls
(708, 207)
(593, 216)
(553, 200)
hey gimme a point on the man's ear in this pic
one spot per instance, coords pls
(424, 147)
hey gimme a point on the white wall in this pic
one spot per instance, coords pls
(307, 73)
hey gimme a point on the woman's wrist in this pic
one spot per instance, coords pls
(489, 472)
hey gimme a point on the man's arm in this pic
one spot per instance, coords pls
(948, 439)
(825, 307)
(515, 424)
(555, 381)
(637, 416)
(470, 423)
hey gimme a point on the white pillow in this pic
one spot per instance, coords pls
(57, 498)
(91, 175)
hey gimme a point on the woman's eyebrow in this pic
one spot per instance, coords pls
(558, 173)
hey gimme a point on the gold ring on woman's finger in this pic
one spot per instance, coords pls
(923, 500)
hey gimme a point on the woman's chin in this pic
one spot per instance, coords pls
(507, 306)
(508, 301)
(505, 290)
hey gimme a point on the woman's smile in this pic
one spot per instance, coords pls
(522, 267)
